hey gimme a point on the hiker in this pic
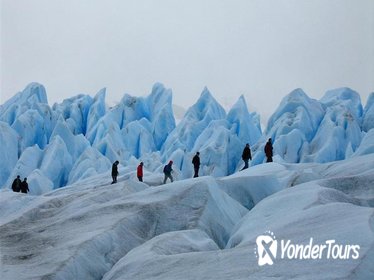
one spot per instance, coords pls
(115, 171)
(269, 151)
(167, 172)
(16, 186)
(25, 186)
(139, 172)
(196, 164)
(246, 156)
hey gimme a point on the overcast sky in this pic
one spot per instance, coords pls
(262, 49)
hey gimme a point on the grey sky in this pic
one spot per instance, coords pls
(262, 49)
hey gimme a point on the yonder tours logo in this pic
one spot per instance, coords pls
(267, 248)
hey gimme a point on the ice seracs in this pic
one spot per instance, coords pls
(340, 128)
(144, 129)
(90, 163)
(8, 151)
(57, 162)
(95, 112)
(196, 119)
(244, 124)
(75, 144)
(306, 130)
(292, 127)
(33, 94)
(161, 112)
(75, 112)
(219, 138)
(368, 115)
(30, 129)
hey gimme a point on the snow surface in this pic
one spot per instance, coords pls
(201, 228)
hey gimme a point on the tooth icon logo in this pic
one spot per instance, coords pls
(266, 248)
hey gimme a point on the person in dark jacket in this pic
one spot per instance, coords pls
(246, 155)
(196, 164)
(25, 186)
(16, 185)
(269, 151)
(167, 171)
(115, 171)
(139, 172)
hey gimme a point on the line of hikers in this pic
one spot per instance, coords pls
(246, 156)
(20, 186)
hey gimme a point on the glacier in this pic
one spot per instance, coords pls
(74, 224)
(303, 129)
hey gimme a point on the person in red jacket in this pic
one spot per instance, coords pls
(139, 172)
